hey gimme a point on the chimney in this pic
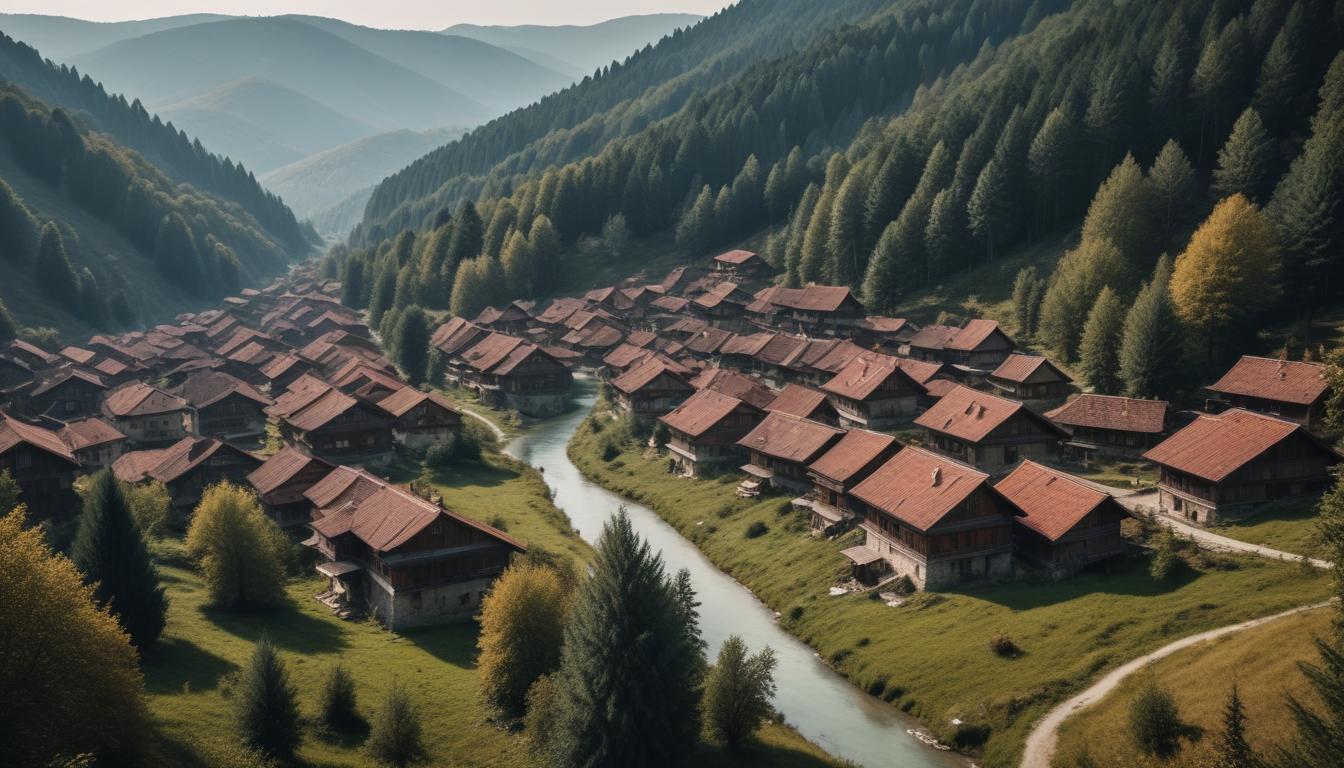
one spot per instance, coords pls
(937, 476)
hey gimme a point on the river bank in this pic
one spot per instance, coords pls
(932, 656)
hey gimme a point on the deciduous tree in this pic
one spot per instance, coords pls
(239, 549)
(522, 631)
(738, 690)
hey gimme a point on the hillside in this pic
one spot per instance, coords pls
(262, 123)
(325, 179)
(286, 51)
(60, 37)
(578, 50)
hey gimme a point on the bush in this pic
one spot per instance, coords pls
(440, 455)
(336, 708)
(795, 613)
(610, 450)
(757, 529)
(1003, 646)
(1154, 722)
(1166, 562)
(395, 739)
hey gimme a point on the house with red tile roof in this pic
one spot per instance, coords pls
(1288, 389)
(224, 406)
(511, 373)
(1030, 378)
(703, 432)
(44, 467)
(938, 521)
(94, 442)
(398, 558)
(422, 419)
(329, 423)
(823, 310)
(734, 384)
(1223, 466)
(873, 392)
(282, 481)
(989, 432)
(1108, 425)
(885, 333)
(979, 344)
(835, 473)
(722, 306)
(1066, 524)
(652, 388)
(779, 450)
(805, 402)
(65, 392)
(187, 468)
(740, 264)
(147, 415)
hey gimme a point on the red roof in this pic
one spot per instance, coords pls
(878, 324)
(1017, 368)
(1054, 501)
(920, 370)
(934, 336)
(735, 257)
(624, 355)
(281, 468)
(780, 348)
(1124, 414)
(970, 415)
(701, 412)
(717, 295)
(645, 373)
(206, 388)
(86, 433)
(491, 351)
(841, 355)
(190, 452)
(140, 399)
(797, 400)
(814, 298)
(973, 334)
(790, 438)
(672, 304)
(14, 432)
(918, 487)
(1284, 381)
(856, 450)
(862, 377)
(746, 345)
(1213, 447)
(709, 340)
(135, 466)
(734, 384)
(406, 398)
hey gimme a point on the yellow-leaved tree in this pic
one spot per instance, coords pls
(70, 679)
(522, 631)
(241, 551)
(1228, 274)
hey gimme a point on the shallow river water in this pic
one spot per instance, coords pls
(821, 704)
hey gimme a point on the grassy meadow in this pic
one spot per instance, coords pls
(1262, 662)
(1288, 526)
(932, 656)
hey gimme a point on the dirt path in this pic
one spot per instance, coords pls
(1044, 737)
(1209, 538)
(499, 433)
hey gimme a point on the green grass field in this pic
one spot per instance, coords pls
(932, 657)
(191, 673)
(1288, 526)
(1261, 661)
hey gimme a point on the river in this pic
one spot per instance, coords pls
(821, 704)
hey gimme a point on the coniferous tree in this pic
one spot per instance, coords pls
(1151, 350)
(695, 231)
(1246, 162)
(405, 292)
(413, 344)
(813, 256)
(914, 217)
(267, 707)
(337, 710)
(1168, 92)
(520, 270)
(469, 289)
(1121, 214)
(1171, 184)
(1073, 289)
(18, 226)
(945, 234)
(502, 221)
(1232, 750)
(1214, 85)
(1319, 737)
(891, 186)
(395, 739)
(627, 686)
(793, 249)
(844, 237)
(54, 274)
(988, 208)
(1330, 532)
(110, 551)
(468, 234)
(1154, 722)
(1024, 287)
(883, 283)
(1281, 95)
(176, 255)
(738, 690)
(384, 295)
(1051, 160)
(353, 292)
(1099, 350)
(544, 243)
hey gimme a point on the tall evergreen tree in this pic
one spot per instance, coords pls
(1024, 286)
(502, 221)
(844, 239)
(395, 739)
(469, 289)
(1099, 350)
(267, 706)
(945, 234)
(1151, 349)
(1168, 92)
(54, 275)
(1247, 162)
(110, 551)
(413, 344)
(989, 207)
(1171, 185)
(1232, 750)
(18, 228)
(793, 248)
(544, 243)
(627, 686)
(883, 284)
(1281, 92)
(384, 295)
(1121, 214)
(176, 255)
(891, 186)
(1073, 289)
(696, 229)
(354, 293)
(1051, 161)
(468, 234)
(520, 269)
(1319, 737)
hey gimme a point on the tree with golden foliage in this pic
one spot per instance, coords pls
(240, 551)
(522, 631)
(71, 680)
(1228, 273)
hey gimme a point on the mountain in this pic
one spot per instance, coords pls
(325, 180)
(167, 66)
(262, 123)
(579, 50)
(60, 37)
(498, 78)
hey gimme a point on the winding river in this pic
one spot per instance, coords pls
(821, 704)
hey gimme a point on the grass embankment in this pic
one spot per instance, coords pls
(1288, 526)
(932, 656)
(190, 675)
(1261, 661)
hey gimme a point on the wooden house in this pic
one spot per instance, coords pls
(734, 384)
(399, 558)
(147, 415)
(980, 344)
(43, 466)
(887, 334)
(779, 450)
(652, 388)
(282, 480)
(739, 352)
(511, 373)
(1106, 425)
(331, 424)
(422, 419)
(1291, 390)
(723, 306)
(989, 432)
(95, 443)
(741, 265)
(820, 310)
(703, 432)
(66, 393)
(935, 520)
(835, 473)
(1030, 378)
(283, 370)
(873, 392)
(224, 406)
(187, 468)
(1222, 467)
(1066, 525)
(806, 403)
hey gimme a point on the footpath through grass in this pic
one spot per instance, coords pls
(1261, 661)
(932, 656)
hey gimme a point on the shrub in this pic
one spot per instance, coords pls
(1003, 646)
(757, 529)
(395, 739)
(1154, 722)
(336, 708)
(440, 455)
(610, 450)
(1166, 562)
(241, 552)
(795, 613)
(267, 707)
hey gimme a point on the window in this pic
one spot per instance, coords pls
(1010, 454)
(464, 598)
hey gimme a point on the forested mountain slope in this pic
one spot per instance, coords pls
(60, 37)
(130, 125)
(578, 121)
(579, 49)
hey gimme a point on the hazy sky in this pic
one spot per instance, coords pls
(397, 14)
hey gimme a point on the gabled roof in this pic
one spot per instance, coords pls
(746, 345)
(814, 298)
(625, 355)
(1054, 501)
(790, 438)
(1018, 367)
(780, 348)
(701, 411)
(342, 485)
(491, 351)
(205, 388)
(462, 336)
(734, 384)
(559, 310)
(856, 450)
(738, 257)
(645, 373)
(970, 415)
(879, 324)
(281, 468)
(140, 399)
(524, 352)
(719, 294)
(919, 487)
(797, 400)
(934, 336)
(78, 354)
(322, 410)
(1285, 381)
(14, 432)
(709, 340)
(190, 452)
(406, 398)
(673, 304)
(134, 466)
(1125, 414)
(54, 378)
(920, 370)
(841, 355)
(973, 334)
(301, 392)
(1213, 447)
(864, 374)
(86, 433)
